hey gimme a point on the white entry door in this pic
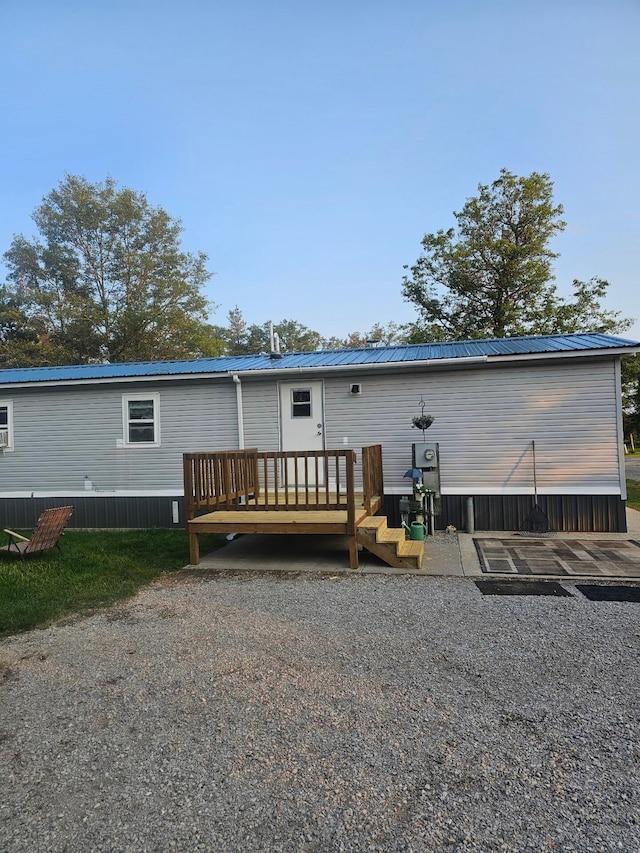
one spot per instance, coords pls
(301, 416)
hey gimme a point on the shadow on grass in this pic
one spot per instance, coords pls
(92, 569)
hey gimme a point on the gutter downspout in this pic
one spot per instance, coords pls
(238, 385)
(620, 431)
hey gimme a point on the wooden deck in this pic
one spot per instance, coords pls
(302, 521)
(305, 492)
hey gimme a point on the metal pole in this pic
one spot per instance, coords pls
(432, 516)
(471, 524)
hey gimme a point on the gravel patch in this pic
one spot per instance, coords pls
(324, 713)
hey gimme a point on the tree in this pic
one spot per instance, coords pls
(292, 336)
(631, 396)
(387, 335)
(241, 339)
(106, 280)
(235, 335)
(492, 275)
(296, 337)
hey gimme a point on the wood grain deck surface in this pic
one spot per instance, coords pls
(270, 517)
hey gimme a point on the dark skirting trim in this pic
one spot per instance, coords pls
(95, 512)
(567, 513)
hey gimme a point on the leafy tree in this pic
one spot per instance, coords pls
(491, 276)
(106, 280)
(389, 334)
(631, 396)
(293, 337)
(242, 339)
(18, 342)
(296, 337)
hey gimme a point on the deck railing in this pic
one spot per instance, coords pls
(219, 480)
(372, 483)
(279, 480)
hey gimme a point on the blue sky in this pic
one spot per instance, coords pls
(308, 147)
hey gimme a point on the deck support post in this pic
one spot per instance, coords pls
(194, 549)
(353, 552)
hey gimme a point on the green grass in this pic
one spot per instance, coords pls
(633, 494)
(92, 569)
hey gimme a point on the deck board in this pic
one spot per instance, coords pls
(274, 521)
(266, 517)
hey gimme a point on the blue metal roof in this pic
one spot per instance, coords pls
(319, 359)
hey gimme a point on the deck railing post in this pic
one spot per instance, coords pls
(187, 469)
(372, 484)
(350, 460)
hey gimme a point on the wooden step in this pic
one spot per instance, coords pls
(390, 543)
(412, 548)
(391, 534)
(373, 522)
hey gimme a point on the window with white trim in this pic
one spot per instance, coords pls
(301, 403)
(6, 425)
(141, 414)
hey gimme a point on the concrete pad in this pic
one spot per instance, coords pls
(281, 552)
(469, 556)
(633, 521)
(446, 554)
(324, 553)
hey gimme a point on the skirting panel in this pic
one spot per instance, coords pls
(95, 512)
(568, 513)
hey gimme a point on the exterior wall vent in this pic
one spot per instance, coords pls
(355, 388)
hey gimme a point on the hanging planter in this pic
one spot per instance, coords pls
(422, 422)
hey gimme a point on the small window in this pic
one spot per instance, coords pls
(301, 403)
(141, 419)
(6, 426)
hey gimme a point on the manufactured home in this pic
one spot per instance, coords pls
(110, 438)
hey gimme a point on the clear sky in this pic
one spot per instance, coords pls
(307, 147)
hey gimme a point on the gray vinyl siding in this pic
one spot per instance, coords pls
(63, 433)
(485, 420)
(260, 408)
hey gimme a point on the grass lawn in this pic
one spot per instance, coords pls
(92, 569)
(633, 494)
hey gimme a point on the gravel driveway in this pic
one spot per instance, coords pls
(324, 713)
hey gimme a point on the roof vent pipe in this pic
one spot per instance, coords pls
(274, 339)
